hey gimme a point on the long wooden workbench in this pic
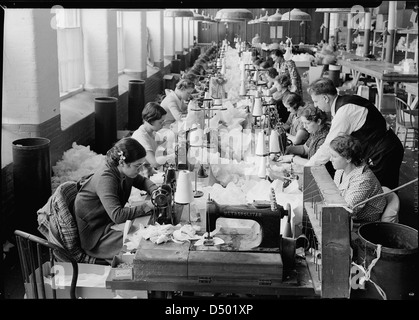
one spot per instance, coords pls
(381, 71)
(165, 269)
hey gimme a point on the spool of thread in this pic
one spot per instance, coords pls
(274, 142)
(195, 136)
(257, 108)
(184, 190)
(261, 145)
(242, 88)
(262, 168)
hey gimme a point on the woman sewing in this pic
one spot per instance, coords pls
(100, 202)
(281, 84)
(174, 103)
(288, 67)
(297, 134)
(355, 180)
(315, 121)
(156, 152)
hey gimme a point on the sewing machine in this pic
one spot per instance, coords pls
(161, 198)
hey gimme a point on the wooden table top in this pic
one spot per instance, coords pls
(379, 69)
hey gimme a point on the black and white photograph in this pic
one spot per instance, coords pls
(207, 160)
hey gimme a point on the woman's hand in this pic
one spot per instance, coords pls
(146, 207)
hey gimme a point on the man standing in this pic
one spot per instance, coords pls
(352, 114)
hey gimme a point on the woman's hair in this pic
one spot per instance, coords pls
(125, 150)
(322, 86)
(152, 112)
(348, 147)
(191, 75)
(294, 100)
(273, 73)
(277, 52)
(284, 80)
(312, 113)
(185, 84)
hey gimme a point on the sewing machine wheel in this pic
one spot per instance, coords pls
(159, 197)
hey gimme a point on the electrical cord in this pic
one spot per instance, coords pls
(384, 193)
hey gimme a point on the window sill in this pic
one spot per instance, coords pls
(76, 107)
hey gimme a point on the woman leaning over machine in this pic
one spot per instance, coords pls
(297, 134)
(153, 117)
(174, 101)
(355, 180)
(315, 121)
(100, 202)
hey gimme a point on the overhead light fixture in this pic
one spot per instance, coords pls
(234, 14)
(231, 20)
(178, 13)
(276, 17)
(333, 10)
(257, 20)
(264, 19)
(197, 16)
(296, 15)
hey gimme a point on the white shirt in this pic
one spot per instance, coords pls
(347, 119)
(147, 140)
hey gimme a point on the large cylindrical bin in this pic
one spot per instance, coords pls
(105, 123)
(175, 66)
(136, 102)
(31, 180)
(334, 74)
(396, 271)
(182, 59)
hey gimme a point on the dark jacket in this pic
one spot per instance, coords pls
(101, 201)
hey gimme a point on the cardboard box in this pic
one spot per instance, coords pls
(94, 289)
(122, 273)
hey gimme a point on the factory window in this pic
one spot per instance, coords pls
(70, 51)
(120, 39)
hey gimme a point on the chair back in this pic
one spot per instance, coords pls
(37, 258)
(391, 211)
(405, 116)
(57, 223)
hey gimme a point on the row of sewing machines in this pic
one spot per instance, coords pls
(273, 266)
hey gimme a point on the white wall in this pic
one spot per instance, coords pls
(135, 36)
(30, 92)
(100, 48)
(155, 27)
(169, 36)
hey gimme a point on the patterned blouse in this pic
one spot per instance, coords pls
(361, 184)
(289, 67)
(316, 140)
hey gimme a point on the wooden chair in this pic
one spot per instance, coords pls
(391, 211)
(37, 259)
(57, 223)
(406, 123)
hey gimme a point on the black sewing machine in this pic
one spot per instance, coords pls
(269, 220)
(161, 198)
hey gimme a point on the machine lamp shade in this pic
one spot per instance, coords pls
(184, 192)
(178, 13)
(296, 15)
